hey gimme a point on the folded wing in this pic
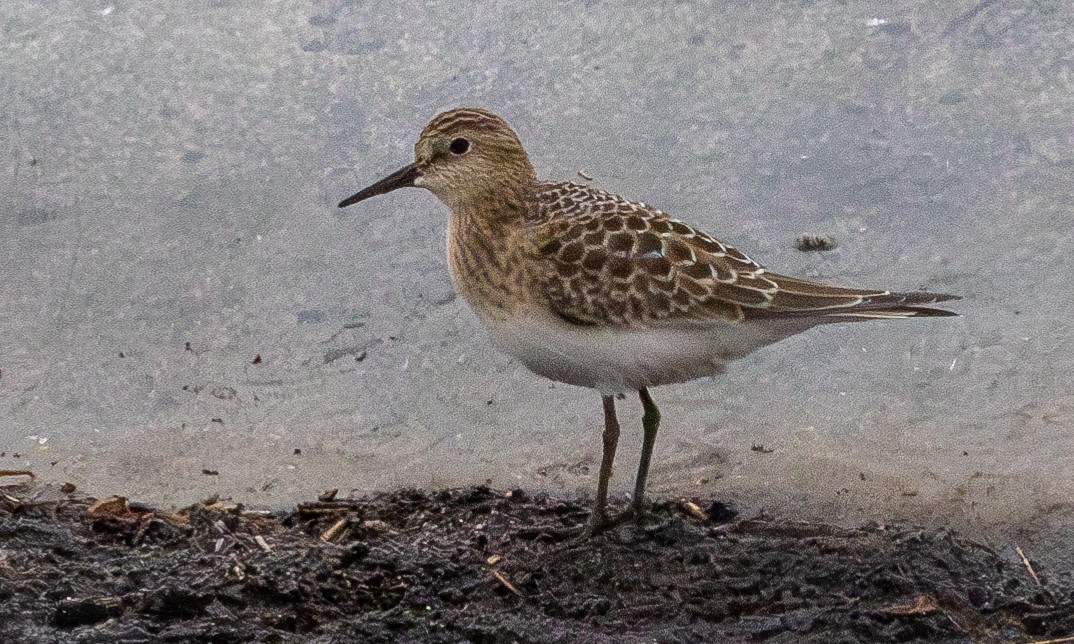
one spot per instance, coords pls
(616, 262)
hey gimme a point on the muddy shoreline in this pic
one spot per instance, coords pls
(485, 565)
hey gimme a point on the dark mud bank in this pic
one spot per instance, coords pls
(482, 565)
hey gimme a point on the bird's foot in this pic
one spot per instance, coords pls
(601, 522)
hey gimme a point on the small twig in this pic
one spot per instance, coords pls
(18, 473)
(923, 604)
(143, 526)
(261, 542)
(332, 531)
(506, 584)
(694, 510)
(1058, 641)
(326, 507)
(1029, 567)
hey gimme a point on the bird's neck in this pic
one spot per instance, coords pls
(491, 201)
(485, 243)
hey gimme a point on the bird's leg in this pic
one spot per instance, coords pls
(599, 521)
(650, 422)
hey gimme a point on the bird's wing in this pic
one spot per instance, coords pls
(615, 262)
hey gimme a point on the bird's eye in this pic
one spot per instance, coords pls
(459, 146)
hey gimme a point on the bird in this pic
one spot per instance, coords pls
(588, 288)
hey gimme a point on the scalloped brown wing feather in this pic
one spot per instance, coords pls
(617, 262)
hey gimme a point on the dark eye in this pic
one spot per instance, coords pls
(459, 146)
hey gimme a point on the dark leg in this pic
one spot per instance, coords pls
(599, 519)
(650, 422)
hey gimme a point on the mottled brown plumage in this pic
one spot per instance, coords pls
(623, 263)
(585, 287)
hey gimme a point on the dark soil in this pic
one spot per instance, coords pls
(481, 565)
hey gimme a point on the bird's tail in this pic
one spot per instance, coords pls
(895, 306)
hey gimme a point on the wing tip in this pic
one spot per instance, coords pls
(940, 297)
(926, 312)
(896, 313)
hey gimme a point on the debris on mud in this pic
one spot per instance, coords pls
(814, 243)
(482, 565)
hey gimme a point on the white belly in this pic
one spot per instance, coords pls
(614, 360)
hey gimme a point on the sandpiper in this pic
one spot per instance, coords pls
(588, 288)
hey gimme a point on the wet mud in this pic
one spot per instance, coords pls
(485, 565)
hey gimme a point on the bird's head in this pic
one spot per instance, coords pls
(465, 155)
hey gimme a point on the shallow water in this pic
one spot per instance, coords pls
(179, 295)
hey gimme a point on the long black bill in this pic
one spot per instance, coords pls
(401, 178)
